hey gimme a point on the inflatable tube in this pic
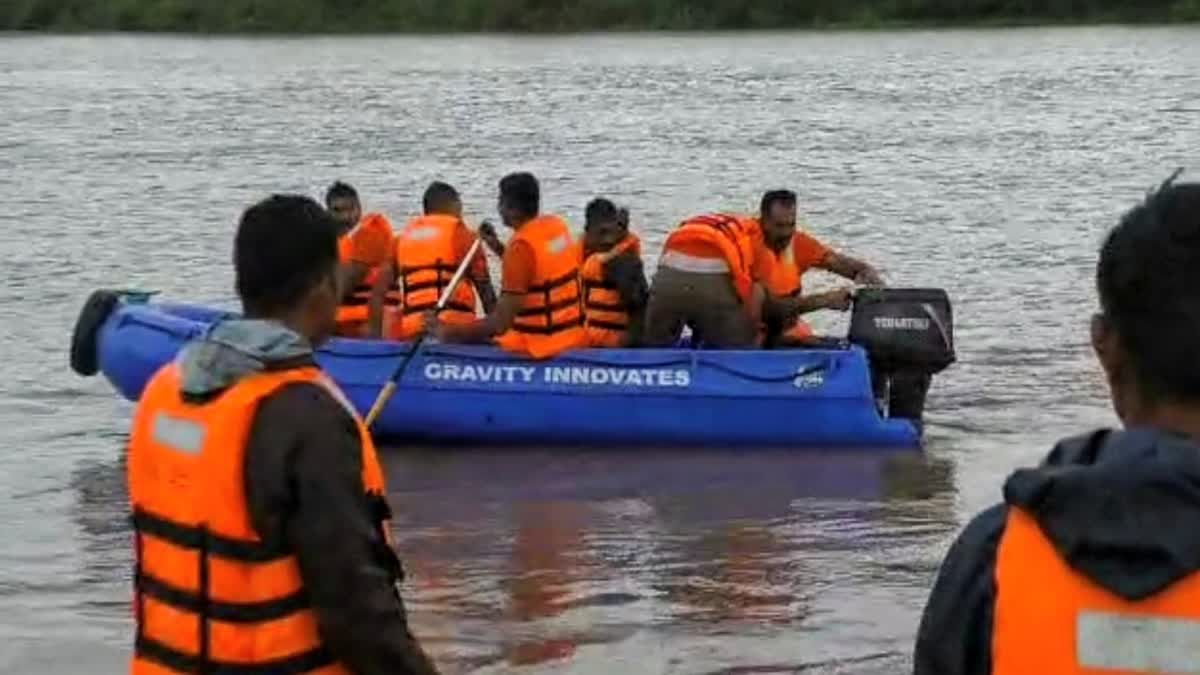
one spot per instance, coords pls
(814, 398)
(96, 309)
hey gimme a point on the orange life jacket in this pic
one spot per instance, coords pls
(550, 320)
(211, 595)
(732, 235)
(1050, 619)
(353, 311)
(426, 261)
(605, 316)
(785, 282)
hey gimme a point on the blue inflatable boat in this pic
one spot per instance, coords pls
(819, 398)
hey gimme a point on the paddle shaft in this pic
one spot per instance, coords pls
(385, 394)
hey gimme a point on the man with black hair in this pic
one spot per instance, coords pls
(364, 245)
(261, 523)
(614, 282)
(427, 253)
(1092, 562)
(538, 314)
(796, 252)
(341, 200)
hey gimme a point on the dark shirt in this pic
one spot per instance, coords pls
(303, 478)
(1092, 498)
(627, 273)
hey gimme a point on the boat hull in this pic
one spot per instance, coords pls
(604, 397)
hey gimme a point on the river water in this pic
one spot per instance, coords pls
(988, 163)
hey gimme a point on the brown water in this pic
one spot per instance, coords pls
(988, 163)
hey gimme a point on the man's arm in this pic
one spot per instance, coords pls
(628, 274)
(851, 268)
(370, 246)
(499, 320)
(837, 299)
(516, 274)
(487, 294)
(303, 483)
(349, 276)
(383, 282)
(955, 637)
(487, 232)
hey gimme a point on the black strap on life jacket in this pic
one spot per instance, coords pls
(601, 285)
(177, 661)
(607, 325)
(549, 307)
(443, 273)
(201, 604)
(194, 537)
(605, 306)
(427, 306)
(361, 295)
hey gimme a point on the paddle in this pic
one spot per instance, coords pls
(385, 394)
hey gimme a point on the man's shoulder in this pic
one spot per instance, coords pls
(624, 262)
(519, 250)
(376, 222)
(303, 407)
(979, 539)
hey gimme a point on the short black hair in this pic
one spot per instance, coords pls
(773, 197)
(339, 190)
(439, 197)
(521, 191)
(285, 245)
(1149, 286)
(599, 210)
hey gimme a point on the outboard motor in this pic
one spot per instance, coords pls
(909, 335)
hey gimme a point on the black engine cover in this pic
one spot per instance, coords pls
(909, 329)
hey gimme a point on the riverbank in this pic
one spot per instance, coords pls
(472, 16)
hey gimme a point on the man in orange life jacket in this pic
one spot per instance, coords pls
(1092, 562)
(613, 281)
(538, 314)
(711, 276)
(364, 246)
(259, 505)
(425, 257)
(795, 252)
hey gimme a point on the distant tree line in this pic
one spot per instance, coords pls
(335, 16)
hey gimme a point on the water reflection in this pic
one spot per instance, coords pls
(551, 553)
(101, 513)
(524, 559)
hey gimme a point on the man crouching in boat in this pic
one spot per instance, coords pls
(795, 252)
(613, 280)
(712, 276)
(425, 257)
(1091, 564)
(538, 314)
(364, 245)
(259, 506)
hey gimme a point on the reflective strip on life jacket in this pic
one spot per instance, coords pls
(691, 263)
(211, 595)
(1048, 618)
(730, 235)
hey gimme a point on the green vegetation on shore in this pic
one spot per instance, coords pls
(372, 16)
